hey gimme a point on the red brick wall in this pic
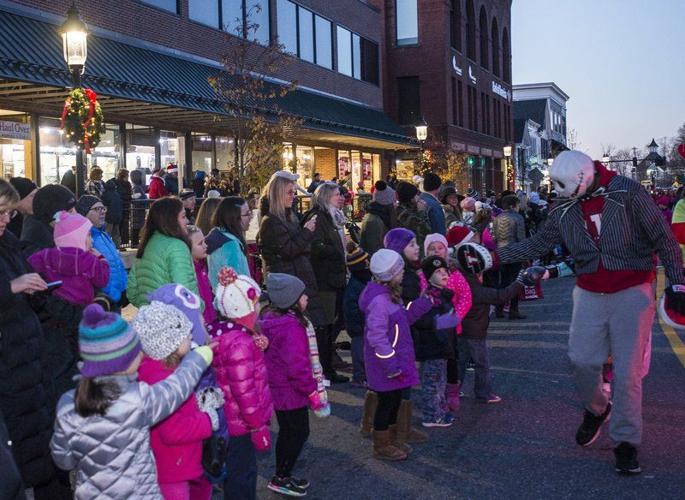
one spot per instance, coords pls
(135, 19)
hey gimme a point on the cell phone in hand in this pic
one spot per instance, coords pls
(53, 284)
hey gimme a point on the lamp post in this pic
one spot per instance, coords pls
(507, 155)
(421, 136)
(75, 50)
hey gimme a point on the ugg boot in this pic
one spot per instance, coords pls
(452, 395)
(384, 449)
(370, 405)
(405, 432)
(398, 443)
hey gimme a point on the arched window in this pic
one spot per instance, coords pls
(484, 57)
(470, 31)
(455, 24)
(506, 56)
(494, 38)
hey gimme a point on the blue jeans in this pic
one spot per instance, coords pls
(433, 384)
(241, 463)
(358, 374)
(477, 350)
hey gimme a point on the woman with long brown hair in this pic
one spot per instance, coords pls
(226, 246)
(163, 253)
(205, 214)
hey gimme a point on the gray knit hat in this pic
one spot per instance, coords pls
(162, 329)
(283, 289)
(385, 264)
(384, 194)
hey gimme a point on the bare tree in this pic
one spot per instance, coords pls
(572, 140)
(252, 99)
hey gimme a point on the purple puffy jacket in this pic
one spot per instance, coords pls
(241, 374)
(287, 360)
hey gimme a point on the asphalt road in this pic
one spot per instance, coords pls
(523, 447)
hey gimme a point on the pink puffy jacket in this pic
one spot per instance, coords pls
(461, 299)
(241, 373)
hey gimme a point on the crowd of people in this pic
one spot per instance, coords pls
(181, 399)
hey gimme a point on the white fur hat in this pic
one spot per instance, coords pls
(236, 296)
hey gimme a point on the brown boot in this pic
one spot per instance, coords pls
(384, 449)
(396, 441)
(405, 432)
(370, 405)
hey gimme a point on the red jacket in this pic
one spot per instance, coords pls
(157, 189)
(176, 442)
(241, 373)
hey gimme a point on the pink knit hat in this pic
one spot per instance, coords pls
(432, 238)
(71, 230)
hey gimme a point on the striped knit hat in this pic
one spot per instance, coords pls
(107, 344)
(356, 258)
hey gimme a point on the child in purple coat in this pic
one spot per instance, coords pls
(389, 358)
(291, 377)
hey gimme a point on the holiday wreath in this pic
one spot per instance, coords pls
(82, 119)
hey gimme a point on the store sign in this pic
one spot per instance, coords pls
(473, 78)
(500, 91)
(457, 69)
(15, 130)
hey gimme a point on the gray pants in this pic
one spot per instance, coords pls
(619, 324)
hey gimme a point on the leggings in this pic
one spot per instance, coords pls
(386, 411)
(292, 434)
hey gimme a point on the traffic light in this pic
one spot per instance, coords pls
(470, 161)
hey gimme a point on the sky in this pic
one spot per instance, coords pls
(622, 62)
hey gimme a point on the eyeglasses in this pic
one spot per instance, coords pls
(99, 209)
(8, 213)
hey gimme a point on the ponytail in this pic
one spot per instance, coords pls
(94, 398)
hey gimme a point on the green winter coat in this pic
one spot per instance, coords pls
(166, 260)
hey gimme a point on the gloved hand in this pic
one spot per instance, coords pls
(675, 298)
(261, 438)
(532, 275)
(206, 352)
(315, 402)
(446, 321)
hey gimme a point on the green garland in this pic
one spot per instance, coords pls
(82, 119)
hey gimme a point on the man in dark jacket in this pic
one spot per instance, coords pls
(27, 190)
(36, 232)
(69, 179)
(112, 199)
(379, 218)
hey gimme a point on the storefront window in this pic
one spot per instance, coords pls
(202, 152)
(140, 150)
(168, 148)
(57, 155)
(288, 157)
(305, 165)
(404, 169)
(225, 153)
(344, 164)
(15, 145)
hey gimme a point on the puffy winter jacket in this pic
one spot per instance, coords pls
(26, 394)
(118, 279)
(291, 378)
(111, 454)
(177, 440)
(11, 487)
(224, 249)
(241, 372)
(507, 228)
(388, 345)
(376, 224)
(165, 260)
(327, 252)
(112, 199)
(157, 189)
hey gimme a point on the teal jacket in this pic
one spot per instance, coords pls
(166, 260)
(225, 249)
(102, 242)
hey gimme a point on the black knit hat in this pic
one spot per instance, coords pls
(431, 182)
(23, 186)
(85, 203)
(356, 258)
(51, 199)
(432, 264)
(406, 191)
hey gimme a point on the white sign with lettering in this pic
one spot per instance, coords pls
(456, 67)
(499, 90)
(15, 130)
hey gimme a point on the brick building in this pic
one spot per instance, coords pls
(449, 62)
(149, 61)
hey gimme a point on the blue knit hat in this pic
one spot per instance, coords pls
(107, 344)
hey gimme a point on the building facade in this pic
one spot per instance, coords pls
(448, 62)
(149, 61)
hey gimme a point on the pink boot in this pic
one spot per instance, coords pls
(452, 395)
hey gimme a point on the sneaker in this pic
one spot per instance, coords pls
(626, 459)
(492, 398)
(300, 483)
(285, 486)
(470, 366)
(445, 421)
(588, 432)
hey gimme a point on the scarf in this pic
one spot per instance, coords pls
(339, 220)
(317, 371)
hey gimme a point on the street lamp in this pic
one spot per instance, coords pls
(75, 51)
(507, 155)
(421, 135)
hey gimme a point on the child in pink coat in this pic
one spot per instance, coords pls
(241, 373)
(176, 442)
(198, 250)
(436, 244)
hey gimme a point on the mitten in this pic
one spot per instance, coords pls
(531, 275)
(315, 402)
(446, 321)
(261, 438)
(206, 353)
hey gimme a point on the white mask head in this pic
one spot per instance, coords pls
(572, 174)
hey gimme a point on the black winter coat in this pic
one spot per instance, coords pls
(327, 252)
(411, 284)
(354, 318)
(112, 199)
(430, 343)
(11, 487)
(35, 235)
(285, 247)
(27, 399)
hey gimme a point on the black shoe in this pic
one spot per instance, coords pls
(516, 315)
(626, 459)
(336, 378)
(285, 486)
(588, 432)
(300, 483)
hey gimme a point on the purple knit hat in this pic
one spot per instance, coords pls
(397, 239)
(107, 344)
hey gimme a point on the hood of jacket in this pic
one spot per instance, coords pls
(369, 293)
(273, 324)
(217, 238)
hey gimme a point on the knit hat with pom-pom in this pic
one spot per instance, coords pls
(162, 329)
(384, 194)
(185, 301)
(236, 296)
(106, 342)
(71, 230)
